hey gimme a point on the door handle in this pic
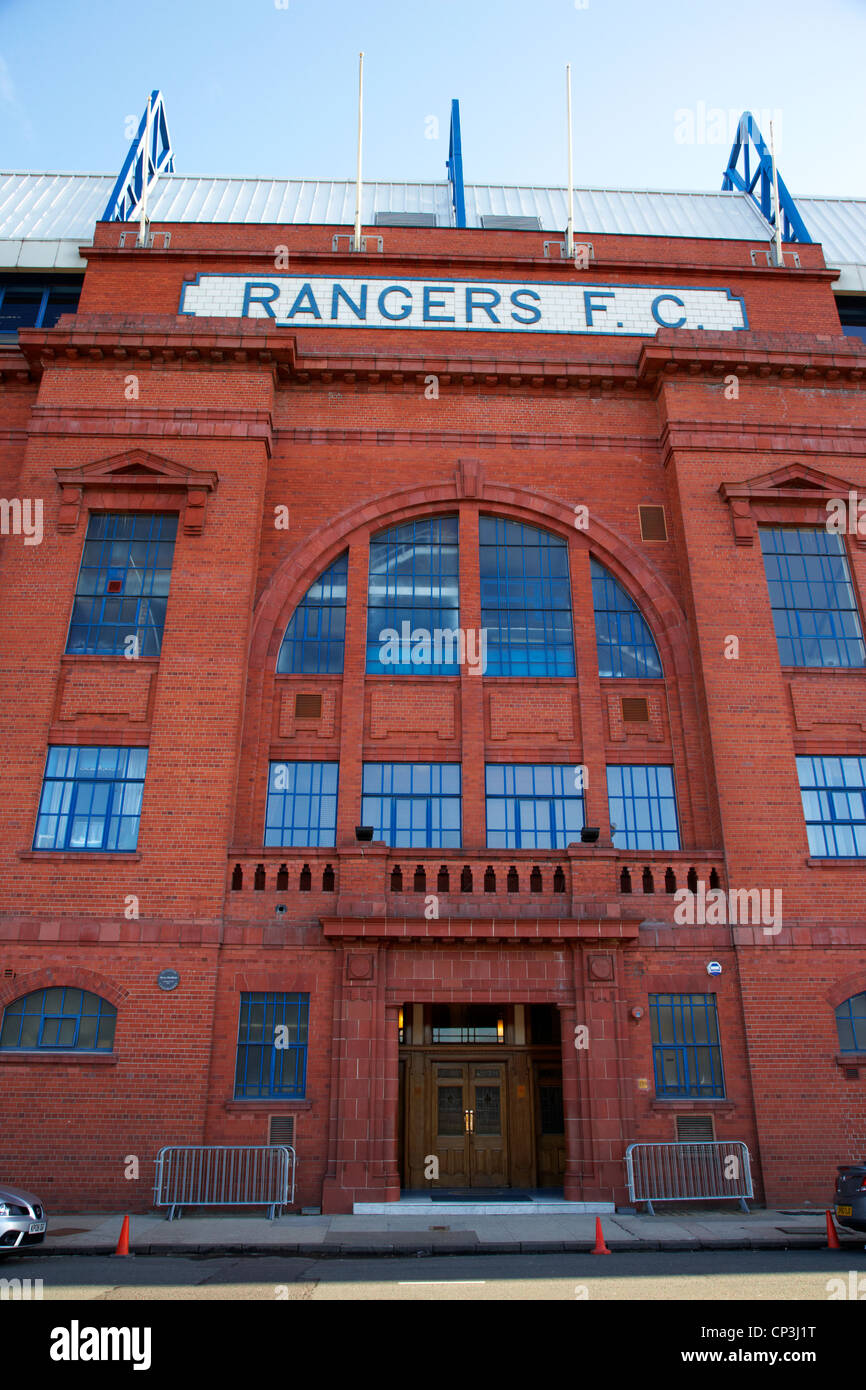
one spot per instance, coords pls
(470, 1121)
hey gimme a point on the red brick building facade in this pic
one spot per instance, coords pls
(131, 407)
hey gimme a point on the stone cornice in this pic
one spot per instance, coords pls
(796, 358)
(180, 342)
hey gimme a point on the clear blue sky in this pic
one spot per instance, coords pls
(253, 89)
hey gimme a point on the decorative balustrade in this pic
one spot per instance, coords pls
(379, 881)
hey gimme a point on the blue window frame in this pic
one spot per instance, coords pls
(834, 806)
(532, 806)
(625, 644)
(413, 804)
(525, 600)
(272, 1046)
(812, 597)
(316, 635)
(123, 584)
(91, 799)
(302, 804)
(28, 301)
(687, 1053)
(414, 588)
(60, 1019)
(851, 1024)
(643, 807)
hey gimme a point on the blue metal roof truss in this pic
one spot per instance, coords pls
(142, 165)
(749, 140)
(455, 167)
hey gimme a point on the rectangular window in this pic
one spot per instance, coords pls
(525, 599)
(302, 804)
(272, 1046)
(91, 799)
(28, 301)
(413, 804)
(687, 1054)
(532, 806)
(834, 805)
(122, 591)
(414, 588)
(812, 597)
(643, 807)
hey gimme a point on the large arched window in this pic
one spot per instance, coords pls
(413, 602)
(525, 600)
(316, 632)
(60, 1019)
(851, 1024)
(625, 643)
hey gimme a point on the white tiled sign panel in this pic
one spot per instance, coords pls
(511, 306)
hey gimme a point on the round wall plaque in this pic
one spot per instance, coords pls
(168, 979)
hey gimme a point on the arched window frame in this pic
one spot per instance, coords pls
(318, 616)
(56, 1021)
(851, 1023)
(642, 650)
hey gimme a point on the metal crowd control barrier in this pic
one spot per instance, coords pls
(709, 1170)
(225, 1175)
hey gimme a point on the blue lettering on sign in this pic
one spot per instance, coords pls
(472, 294)
(305, 292)
(401, 313)
(517, 301)
(589, 307)
(359, 310)
(430, 303)
(265, 303)
(672, 299)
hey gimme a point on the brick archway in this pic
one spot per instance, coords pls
(297, 572)
(60, 976)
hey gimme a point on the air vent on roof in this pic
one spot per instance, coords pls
(500, 223)
(406, 219)
(694, 1129)
(281, 1129)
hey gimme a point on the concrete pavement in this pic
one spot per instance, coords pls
(683, 1228)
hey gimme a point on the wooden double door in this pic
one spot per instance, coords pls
(469, 1123)
(490, 1120)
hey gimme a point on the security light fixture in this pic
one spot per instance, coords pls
(589, 834)
(363, 832)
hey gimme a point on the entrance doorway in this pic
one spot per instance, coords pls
(469, 1123)
(481, 1097)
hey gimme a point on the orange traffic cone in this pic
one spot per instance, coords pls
(123, 1242)
(600, 1247)
(832, 1238)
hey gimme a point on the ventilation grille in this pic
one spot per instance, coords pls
(635, 709)
(652, 524)
(308, 706)
(500, 222)
(406, 219)
(693, 1129)
(281, 1129)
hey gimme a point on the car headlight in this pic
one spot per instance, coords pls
(7, 1209)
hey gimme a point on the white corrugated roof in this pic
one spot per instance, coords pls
(46, 215)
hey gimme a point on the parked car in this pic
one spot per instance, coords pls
(850, 1195)
(22, 1219)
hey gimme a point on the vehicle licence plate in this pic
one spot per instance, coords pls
(844, 1211)
(37, 1227)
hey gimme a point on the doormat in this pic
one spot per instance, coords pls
(479, 1198)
